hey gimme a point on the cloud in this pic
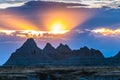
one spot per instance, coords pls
(101, 3)
(17, 35)
(91, 3)
(6, 5)
(48, 35)
(29, 34)
(107, 32)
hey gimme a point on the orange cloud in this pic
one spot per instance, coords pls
(106, 31)
(30, 33)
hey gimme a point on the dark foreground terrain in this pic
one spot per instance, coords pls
(59, 73)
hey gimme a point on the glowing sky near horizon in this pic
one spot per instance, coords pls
(57, 22)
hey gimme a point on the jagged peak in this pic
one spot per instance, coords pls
(30, 39)
(29, 43)
(48, 44)
(85, 48)
(48, 47)
(61, 44)
(62, 47)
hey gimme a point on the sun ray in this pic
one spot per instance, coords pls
(17, 22)
(69, 18)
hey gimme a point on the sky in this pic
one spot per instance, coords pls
(92, 23)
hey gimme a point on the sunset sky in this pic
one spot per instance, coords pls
(78, 23)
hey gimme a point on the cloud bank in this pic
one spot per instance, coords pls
(114, 4)
(8, 34)
(106, 32)
(8, 4)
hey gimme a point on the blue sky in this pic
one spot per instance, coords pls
(96, 25)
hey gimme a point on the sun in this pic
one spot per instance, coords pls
(58, 29)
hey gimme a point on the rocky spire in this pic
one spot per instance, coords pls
(63, 48)
(48, 47)
(29, 43)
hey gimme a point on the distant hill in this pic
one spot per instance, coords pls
(30, 55)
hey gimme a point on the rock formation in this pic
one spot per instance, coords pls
(30, 55)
